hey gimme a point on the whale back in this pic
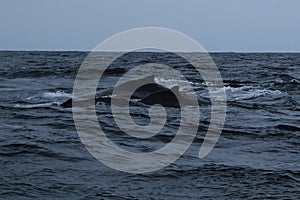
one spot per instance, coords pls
(141, 92)
(165, 98)
(148, 89)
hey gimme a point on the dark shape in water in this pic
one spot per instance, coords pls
(67, 104)
(140, 93)
(169, 98)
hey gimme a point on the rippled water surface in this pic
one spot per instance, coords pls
(257, 156)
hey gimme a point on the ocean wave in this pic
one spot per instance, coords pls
(170, 82)
(38, 105)
(56, 94)
(249, 92)
(294, 81)
(50, 95)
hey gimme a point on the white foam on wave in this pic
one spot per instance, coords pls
(51, 95)
(56, 94)
(279, 80)
(294, 81)
(173, 82)
(249, 92)
(38, 105)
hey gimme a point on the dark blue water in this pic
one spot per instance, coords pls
(257, 156)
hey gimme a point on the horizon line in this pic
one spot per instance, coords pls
(86, 51)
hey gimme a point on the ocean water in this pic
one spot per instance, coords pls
(256, 157)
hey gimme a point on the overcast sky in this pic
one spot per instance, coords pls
(218, 25)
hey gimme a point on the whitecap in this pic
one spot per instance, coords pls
(294, 81)
(50, 95)
(249, 92)
(38, 105)
(56, 94)
(171, 82)
(279, 80)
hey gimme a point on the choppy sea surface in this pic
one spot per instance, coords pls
(256, 157)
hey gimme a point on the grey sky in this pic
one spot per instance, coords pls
(218, 25)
